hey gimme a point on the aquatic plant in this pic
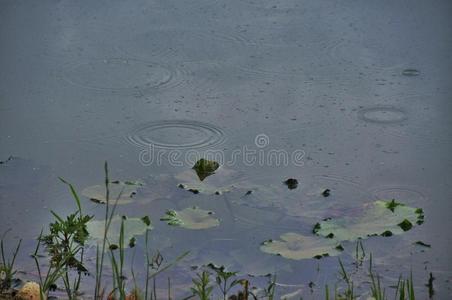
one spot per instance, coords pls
(133, 227)
(100, 252)
(202, 287)
(223, 180)
(65, 245)
(383, 218)
(222, 278)
(297, 246)
(205, 167)
(191, 218)
(119, 281)
(7, 270)
(67, 238)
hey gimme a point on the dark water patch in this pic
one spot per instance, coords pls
(269, 5)
(251, 217)
(176, 134)
(25, 187)
(269, 69)
(426, 123)
(175, 44)
(222, 36)
(382, 115)
(371, 56)
(152, 44)
(235, 255)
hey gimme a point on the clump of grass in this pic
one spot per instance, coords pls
(65, 246)
(7, 270)
(377, 292)
(47, 281)
(349, 293)
(405, 289)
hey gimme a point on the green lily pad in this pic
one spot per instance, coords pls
(204, 168)
(191, 218)
(121, 191)
(297, 246)
(383, 218)
(132, 227)
(220, 182)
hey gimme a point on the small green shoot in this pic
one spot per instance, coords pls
(222, 277)
(202, 286)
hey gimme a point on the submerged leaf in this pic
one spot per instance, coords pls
(191, 218)
(297, 246)
(120, 191)
(204, 168)
(132, 228)
(385, 218)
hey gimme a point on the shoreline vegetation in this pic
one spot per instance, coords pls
(62, 247)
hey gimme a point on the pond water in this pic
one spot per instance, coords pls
(354, 97)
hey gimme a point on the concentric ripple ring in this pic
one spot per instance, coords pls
(176, 134)
(382, 115)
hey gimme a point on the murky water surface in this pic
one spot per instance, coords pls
(354, 96)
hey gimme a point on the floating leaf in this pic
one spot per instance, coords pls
(326, 193)
(291, 183)
(204, 168)
(421, 243)
(146, 220)
(383, 218)
(129, 182)
(132, 228)
(121, 191)
(191, 218)
(297, 246)
(220, 182)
